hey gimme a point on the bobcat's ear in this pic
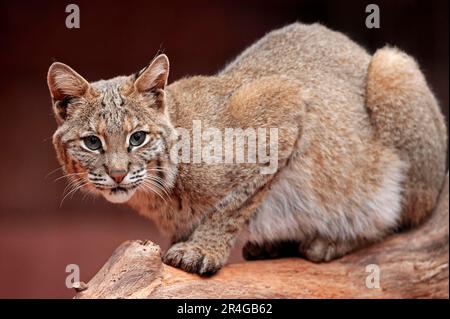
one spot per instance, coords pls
(64, 82)
(154, 77)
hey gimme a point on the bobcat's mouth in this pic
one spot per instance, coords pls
(118, 194)
(119, 189)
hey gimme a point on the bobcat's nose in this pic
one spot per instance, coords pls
(118, 175)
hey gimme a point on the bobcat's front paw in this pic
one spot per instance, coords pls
(193, 258)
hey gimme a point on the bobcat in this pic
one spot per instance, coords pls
(361, 147)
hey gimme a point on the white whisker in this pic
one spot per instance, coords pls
(73, 191)
(52, 172)
(160, 183)
(68, 175)
(149, 185)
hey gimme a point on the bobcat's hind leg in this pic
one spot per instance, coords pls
(270, 250)
(407, 117)
(316, 250)
(323, 250)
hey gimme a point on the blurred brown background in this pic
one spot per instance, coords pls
(38, 238)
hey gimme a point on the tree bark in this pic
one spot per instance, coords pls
(412, 264)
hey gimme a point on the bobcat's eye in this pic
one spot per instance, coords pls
(137, 138)
(92, 142)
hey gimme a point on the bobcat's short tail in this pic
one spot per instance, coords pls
(406, 116)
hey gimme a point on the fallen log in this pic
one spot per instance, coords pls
(411, 264)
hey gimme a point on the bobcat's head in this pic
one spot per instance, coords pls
(113, 136)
